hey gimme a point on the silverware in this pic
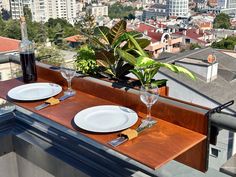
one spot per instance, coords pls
(144, 125)
(44, 105)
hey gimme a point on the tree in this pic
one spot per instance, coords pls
(27, 14)
(52, 23)
(229, 43)
(49, 55)
(87, 24)
(194, 46)
(222, 20)
(41, 36)
(2, 26)
(58, 38)
(117, 10)
(130, 17)
(57, 29)
(12, 29)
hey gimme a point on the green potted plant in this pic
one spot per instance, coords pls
(105, 41)
(145, 68)
(86, 61)
(118, 52)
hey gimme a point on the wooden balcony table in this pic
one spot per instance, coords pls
(180, 134)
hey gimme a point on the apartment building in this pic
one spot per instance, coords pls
(227, 3)
(155, 11)
(98, 10)
(17, 7)
(5, 4)
(42, 10)
(178, 8)
(160, 41)
(227, 6)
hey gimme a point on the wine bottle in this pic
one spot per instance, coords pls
(27, 57)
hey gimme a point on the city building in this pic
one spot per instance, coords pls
(146, 2)
(178, 8)
(155, 11)
(201, 4)
(5, 4)
(161, 40)
(203, 25)
(227, 6)
(98, 10)
(17, 7)
(196, 36)
(75, 41)
(212, 3)
(43, 10)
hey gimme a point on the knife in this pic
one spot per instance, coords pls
(44, 105)
(120, 140)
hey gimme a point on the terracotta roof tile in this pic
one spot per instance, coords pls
(191, 33)
(155, 36)
(144, 27)
(8, 44)
(75, 38)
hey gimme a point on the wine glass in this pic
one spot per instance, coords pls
(68, 71)
(149, 96)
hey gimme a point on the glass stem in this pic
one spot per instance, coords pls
(69, 84)
(149, 112)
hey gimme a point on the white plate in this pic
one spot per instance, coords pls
(105, 118)
(34, 91)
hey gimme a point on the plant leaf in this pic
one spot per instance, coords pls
(94, 40)
(102, 63)
(123, 70)
(144, 62)
(186, 72)
(119, 40)
(116, 31)
(126, 56)
(102, 32)
(177, 69)
(137, 46)
(106, 56)
(143, 42)
(168, 66)
(138, 74)
(105, 66)
(160, 82)
(135, 34)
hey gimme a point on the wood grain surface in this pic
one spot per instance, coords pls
(169, 139)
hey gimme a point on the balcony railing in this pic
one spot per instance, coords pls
(218, 119)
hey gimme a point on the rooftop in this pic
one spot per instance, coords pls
(75, 38)
(220, 89)
(8, 44)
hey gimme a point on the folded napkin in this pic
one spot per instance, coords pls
(52, 101)
(129, 133)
